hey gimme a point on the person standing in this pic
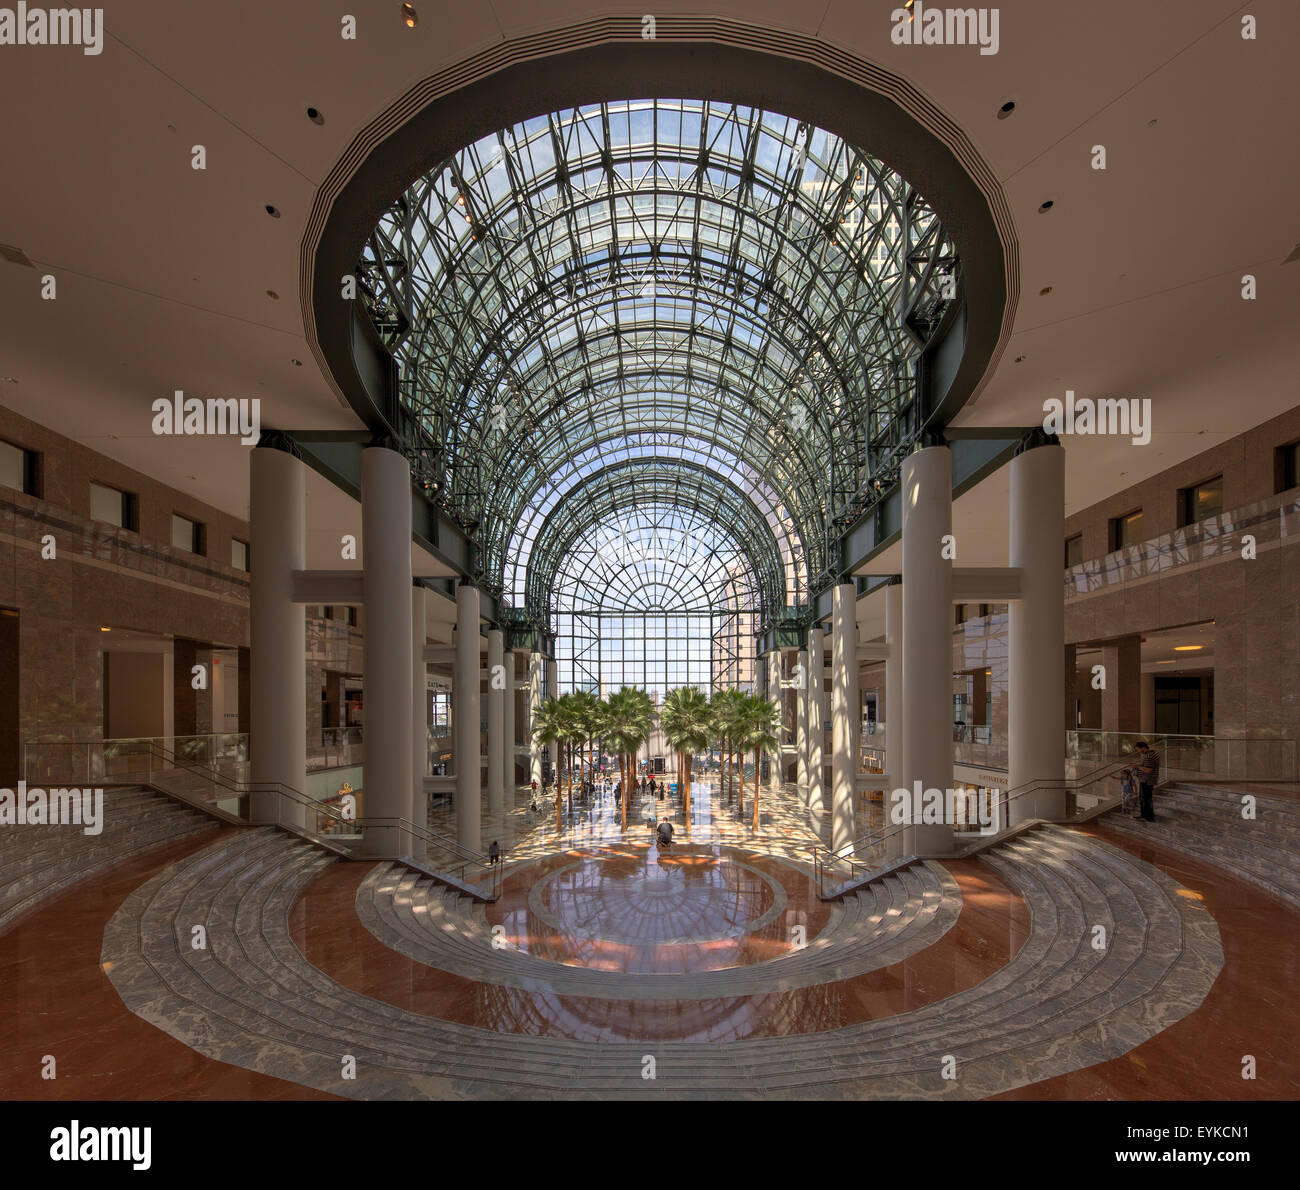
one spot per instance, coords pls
(1148, 773)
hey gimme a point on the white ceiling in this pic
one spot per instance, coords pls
(162, 270)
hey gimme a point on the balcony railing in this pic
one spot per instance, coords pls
(1272, 521)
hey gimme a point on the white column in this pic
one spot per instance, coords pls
(469, 778)
(535, 660)
(1036, 631)
(553, 691)
(774, 693)
(386, 649)
(801, 724)
(496, 713)
(895, 778)
(508, 730)
(844, 669)
(815, 730)
(419, 813)
(927, 637)
(277, 632)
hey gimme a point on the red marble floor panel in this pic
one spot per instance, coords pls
(58, 1001)
(1246, 1012)
(602, 911)
(991, 928)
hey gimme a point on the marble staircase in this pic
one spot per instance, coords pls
(1206, 821)
(39, 861)
(251, 998)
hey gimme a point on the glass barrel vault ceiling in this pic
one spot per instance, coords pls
(658, 303)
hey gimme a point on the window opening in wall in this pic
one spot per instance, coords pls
(1073, 550)
(1126, 530)
(1200, 501)
(113, 507)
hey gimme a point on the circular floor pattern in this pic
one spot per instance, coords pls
(252, 999)
(590, 927)
(653, 904)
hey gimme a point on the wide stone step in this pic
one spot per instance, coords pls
(252, 998)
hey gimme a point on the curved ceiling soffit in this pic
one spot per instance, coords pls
(626, 486)
(706, 58)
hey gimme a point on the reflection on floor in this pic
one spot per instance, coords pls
(786, 826)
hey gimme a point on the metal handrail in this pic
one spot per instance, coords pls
(466, 856)
(873, 839)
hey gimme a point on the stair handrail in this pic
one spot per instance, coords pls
(345, 823)
(825, 857)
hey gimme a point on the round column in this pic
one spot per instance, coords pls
(419, 813)
(508, 730)
(893, 710)
(774, 693)
(496, 713)
(466, 717)
(801, 724)
(815, 733)
(1036, 632)
(277, 633)
(553, 691)
(386, 647)
(927, 640)
(844, 669)
(534, 705)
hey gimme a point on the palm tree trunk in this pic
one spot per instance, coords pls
(742, 777)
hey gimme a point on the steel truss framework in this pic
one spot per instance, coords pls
(672, 286)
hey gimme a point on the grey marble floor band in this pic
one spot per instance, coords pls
(253, 1000)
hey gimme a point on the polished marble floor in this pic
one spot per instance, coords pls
(609, 897)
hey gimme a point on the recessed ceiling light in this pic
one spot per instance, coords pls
(1006, 109)
(1045, 291)
(275, 297)
(9, 379)
(270, 210)
(102, 628)
(410, 18)
(1187, 648)
(314, 116)
(1046, 206)
(297, 363)
(1020, 359)
(1152, 123)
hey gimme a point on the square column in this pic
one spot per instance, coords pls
(419, 814)
(1121, 700)
(466, 718)
(844, 673)
(386, 647)
(496, 700)
(277, 633)
(1036, 628)
(927, 646)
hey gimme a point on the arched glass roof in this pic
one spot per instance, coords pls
(667, 286)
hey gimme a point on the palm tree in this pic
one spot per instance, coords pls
(630, 717)
(726, 705)
(588, 717)
(761, 728)
(550, 726)
(688, 727)
(572, 733)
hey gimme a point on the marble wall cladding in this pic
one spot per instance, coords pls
(1245, 462)
(102, 575)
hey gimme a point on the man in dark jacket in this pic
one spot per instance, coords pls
(1148, 773)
